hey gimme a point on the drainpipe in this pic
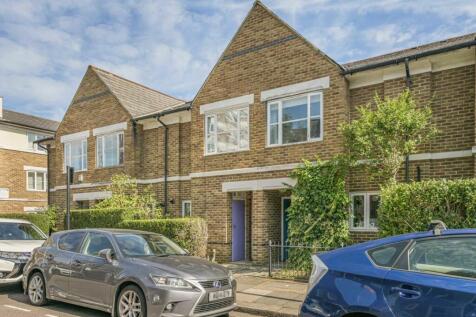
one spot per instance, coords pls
(409, 84)
(47, 149)
(166, 152)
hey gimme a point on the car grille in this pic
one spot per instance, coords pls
(219, 304)
(209, 284)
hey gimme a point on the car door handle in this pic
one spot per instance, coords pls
(407, 293)
(76, 263)
(50, 257)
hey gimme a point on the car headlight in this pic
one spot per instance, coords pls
(19, 257)
(175, 282)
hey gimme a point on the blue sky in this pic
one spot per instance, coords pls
(171, 45)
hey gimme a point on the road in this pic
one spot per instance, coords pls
(14, 304)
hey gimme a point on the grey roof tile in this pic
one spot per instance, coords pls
(23, 119)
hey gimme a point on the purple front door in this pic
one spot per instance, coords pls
(238, 230)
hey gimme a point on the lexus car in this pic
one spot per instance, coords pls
(419, 274)
(18, 238)
(127, 273)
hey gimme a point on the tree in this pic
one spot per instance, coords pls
(126, 195)
(383, 137)
(319, 213)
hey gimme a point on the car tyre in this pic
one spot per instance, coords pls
(37, 289)
(130, 298)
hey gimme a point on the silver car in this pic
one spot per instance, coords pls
(127, 273)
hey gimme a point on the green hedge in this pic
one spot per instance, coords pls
(189, 233)
(41, 220)
(411, 207)
(98, 218)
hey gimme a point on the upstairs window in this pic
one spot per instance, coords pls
(36, 181)
(295, 120)
(110, 149)
(76, 155)
(227, 131)
(32, 137)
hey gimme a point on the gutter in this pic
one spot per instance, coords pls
(47, 149)
(185, 107)
(416, 56)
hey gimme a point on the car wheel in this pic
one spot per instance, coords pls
(131, 303)
(37, 290)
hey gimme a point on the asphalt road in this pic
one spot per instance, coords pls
(14, 304)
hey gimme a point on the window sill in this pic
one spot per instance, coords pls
(109, 167)
(231, 152)
(296, 143)
(36, 191)
(363, 229)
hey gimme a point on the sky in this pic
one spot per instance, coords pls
(172, 45)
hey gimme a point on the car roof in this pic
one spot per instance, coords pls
(107, 230)
(8, 220)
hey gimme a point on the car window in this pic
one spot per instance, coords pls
(387, 255)
(455, 256)
(20, 231)
(71, 241)
(96, 242)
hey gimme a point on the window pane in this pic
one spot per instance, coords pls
(273, 113)
(121, 148)
(71, 241)
(295, 109)
(244, 128)
(96, 242)
(40, 181)
(76, 155)
(227, 121)
(374, 204)
(31, 180)
(449, 256)
(67, 155)
(358, 211)
(227, 141)
(315, 128)
(187, 209)
(295, 131)
(110, 150)
(84, 154)
(99, 151)
(273, 134)
(315, 105)
(210, 134)
(387, 255)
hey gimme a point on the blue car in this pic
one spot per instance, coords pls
(412, 275)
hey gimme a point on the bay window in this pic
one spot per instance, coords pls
(227, 131)
(110, 149)
(75, 155)
(364, 208)
(36, 181)
(296, 119)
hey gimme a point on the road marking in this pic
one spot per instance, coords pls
(17, 308)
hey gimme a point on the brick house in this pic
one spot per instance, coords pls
(23, 165)
(271, 99)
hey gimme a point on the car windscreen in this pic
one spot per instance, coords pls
(137, 245)
(20, 231)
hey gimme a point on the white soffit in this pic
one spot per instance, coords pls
(307, 86)
(75, 136)
(173, 118)
(258, 184)
(110, 128)
(91, 196)
(245, 100)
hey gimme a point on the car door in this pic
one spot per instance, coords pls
(91, 275)
(434, 277)
(59, 260)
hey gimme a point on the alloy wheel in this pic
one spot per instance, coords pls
(130, 305)
(36, 289)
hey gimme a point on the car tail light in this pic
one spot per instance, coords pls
(319, 269)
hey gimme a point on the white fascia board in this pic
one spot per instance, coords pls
(307, 86)
(75, 136)
(91, 196)
(34, 168)
(110, 128)
(441, 155)
(258, 184)
(245, 100)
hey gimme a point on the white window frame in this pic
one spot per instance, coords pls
(279, 102)
(84, 144)
(214, 114)
(366, 226)
(184, 202)
(104, 152)
(45, 181)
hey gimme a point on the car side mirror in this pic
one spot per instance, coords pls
(106, 254)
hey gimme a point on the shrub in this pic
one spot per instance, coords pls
(41, 220)
(408, 207)
(99, 218)
(189, 233)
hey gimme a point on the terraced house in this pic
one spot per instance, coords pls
(271, 99)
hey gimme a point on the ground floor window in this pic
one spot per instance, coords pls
(186, 208)
(82, 204)
(364, 208)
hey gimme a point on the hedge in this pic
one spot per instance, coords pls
(41, 220)
(189, 233)
(408, 207)
(98, 218)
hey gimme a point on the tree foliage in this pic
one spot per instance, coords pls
(387, 132)
(126, 195)
(319, 214)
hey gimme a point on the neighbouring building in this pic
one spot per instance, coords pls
(271, 99)
(23, 164)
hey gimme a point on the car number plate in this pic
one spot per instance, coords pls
(220, 295)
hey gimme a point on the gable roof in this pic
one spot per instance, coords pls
(29, 121)
(422, 49)
(137, 99)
